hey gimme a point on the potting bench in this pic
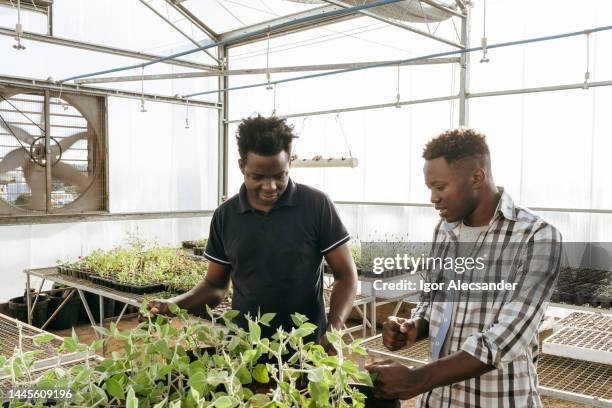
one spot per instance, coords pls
(80, 286)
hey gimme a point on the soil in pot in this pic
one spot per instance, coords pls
(19, 309)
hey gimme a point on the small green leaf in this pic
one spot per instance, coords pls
(43, 338)
(298, 319)
(254, 331)
(115, 389)
(70, 344)
(267, 318)
(173, 308)
(132, 401)
(244, 376)
(249, 355)
(316, 375)
(102, 330)
(260, 374)
(364, 378)
(230, 314)
(225, 402)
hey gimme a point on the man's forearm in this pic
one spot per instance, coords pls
(198, 297)
(341, 302)
(454, 368)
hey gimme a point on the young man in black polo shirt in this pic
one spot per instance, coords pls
(270, 238)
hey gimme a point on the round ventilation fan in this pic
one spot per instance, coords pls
(26, 184)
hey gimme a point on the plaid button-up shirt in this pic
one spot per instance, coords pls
(498, 328)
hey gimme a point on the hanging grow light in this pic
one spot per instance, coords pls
(320, 161)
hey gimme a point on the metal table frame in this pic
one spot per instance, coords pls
(80, 286)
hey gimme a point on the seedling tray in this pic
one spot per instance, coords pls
(128, 287)
(580, 343)
(574, 380)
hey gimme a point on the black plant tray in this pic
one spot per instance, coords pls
(199, 251)
(75, 272)
(128, 287)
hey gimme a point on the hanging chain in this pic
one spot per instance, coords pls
(587, 74)
(59, 98)
(269, 87)
(397, 97)
(348, 147)
(274, 102)
(483, 40)
(187, 114)
(18, 29)
(142, 101)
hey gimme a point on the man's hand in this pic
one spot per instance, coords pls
(327, 346)
(399, 333)
(394, 380)
(158, 306)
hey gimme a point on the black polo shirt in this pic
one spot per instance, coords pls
(275, 257)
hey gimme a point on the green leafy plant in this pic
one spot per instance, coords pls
(199, 364)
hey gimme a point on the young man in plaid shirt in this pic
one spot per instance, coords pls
(484, 344)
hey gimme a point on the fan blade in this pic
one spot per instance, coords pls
(67, 142)
(13, 159)
(69, 175)
(18, 132)
(35, 177)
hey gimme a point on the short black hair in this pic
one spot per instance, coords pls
(457, 144)
(265, 136)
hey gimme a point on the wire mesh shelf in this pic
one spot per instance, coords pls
(417, 354)
(580, 381)
(591, 321)
(583, 344)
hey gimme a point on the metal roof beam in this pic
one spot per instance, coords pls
(396, 23)
(439, 6)
(253, 31)
(103, 49)
(41, 84)
(256, 71)
(184, 34)
(193, 19)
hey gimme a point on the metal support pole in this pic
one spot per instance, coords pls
(59, 308)
(28, 297)
(48, 158)
(257, 71)
(88, 311)
(223, 130)
(102, 48)
(171, 24)
(193, 19)
(464, 71)
(101, 303)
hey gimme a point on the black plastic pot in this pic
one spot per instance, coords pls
(69, 315)
(373, 402)
(93, 301)
(19, 309)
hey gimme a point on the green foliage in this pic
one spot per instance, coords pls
(144, 263)
(199, 364)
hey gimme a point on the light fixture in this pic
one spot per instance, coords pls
(320, 161)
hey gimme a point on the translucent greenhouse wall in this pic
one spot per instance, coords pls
(154, 163)
(548, 149)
